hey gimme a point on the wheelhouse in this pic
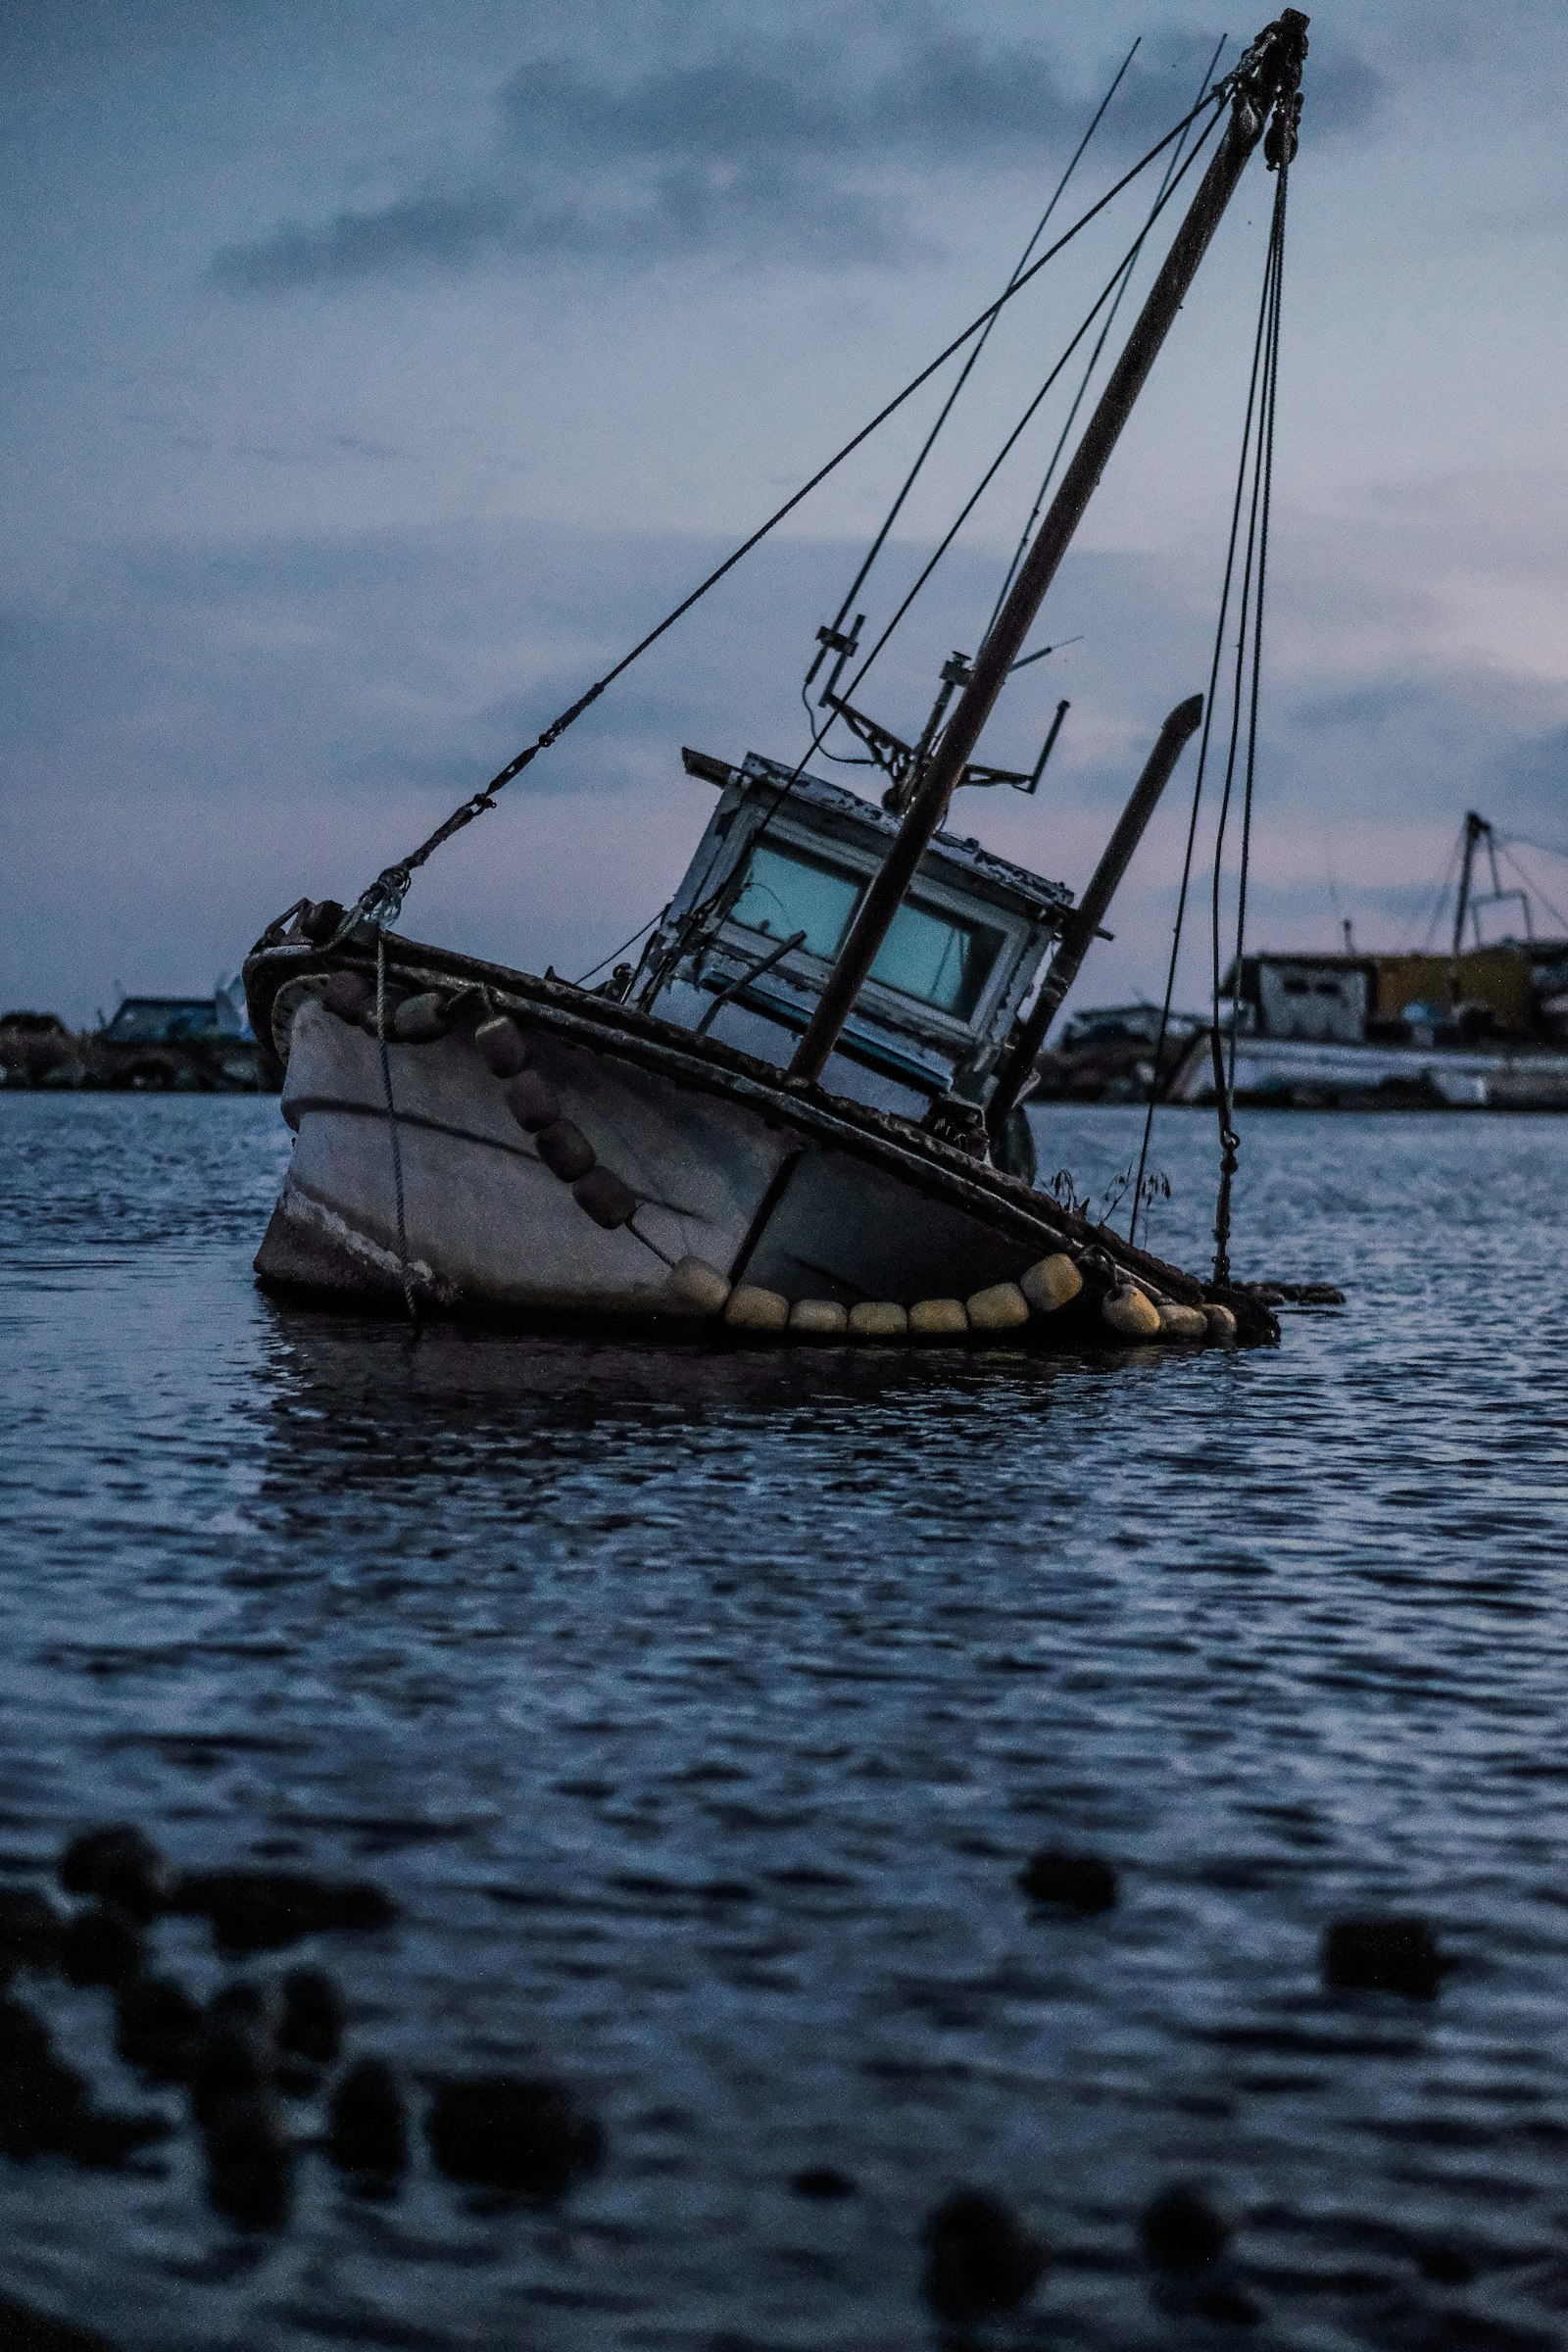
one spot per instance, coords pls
(748, 941)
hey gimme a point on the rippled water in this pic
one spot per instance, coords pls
(698, 1709)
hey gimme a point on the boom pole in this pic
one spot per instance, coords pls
(1267, 79)
(1079, 930)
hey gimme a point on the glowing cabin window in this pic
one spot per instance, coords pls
(940, 959)
(783, 894)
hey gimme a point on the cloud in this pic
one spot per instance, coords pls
(1533, 773)
(440, 231)
(1344, 92)
(1360, 708)
(687, 209)
(801, 150)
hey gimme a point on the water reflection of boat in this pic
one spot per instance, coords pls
(796, 1109)
(1481, 1027)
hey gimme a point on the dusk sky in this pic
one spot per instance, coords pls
(375, 372)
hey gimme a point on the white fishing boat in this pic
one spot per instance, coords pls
(798, 1111)
(1483, 1027)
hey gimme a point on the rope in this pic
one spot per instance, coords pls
(1532, 886)
(1107, 294)
(968, 368)
(1264, 344)
(699, 914)
(1441, 901)
(381, 903)
(392, 1127)
(595, 968)
(1224, 1060)
(1094, 361)
(1267, 471)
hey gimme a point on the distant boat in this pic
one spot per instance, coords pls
(797, 1111)
(1480, 1028)
(1108, 1054)
(149, 1045)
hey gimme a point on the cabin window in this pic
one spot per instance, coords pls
(940, 959)
(784, 893)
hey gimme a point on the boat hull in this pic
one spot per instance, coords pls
(1310, 1074)
(778, 1187)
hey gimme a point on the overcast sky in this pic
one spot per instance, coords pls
(374, 373)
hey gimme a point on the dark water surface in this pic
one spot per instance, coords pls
(698, 1709)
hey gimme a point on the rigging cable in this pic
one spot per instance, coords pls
(1257, 541)
(594, 969)
(1523, 841)
(1094, 361)
(1265, 352)
(1105, 294)
(1455, 849)
(1532, 887)
(701, 913)
(968, 368)
(383, 900)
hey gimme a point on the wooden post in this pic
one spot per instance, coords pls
(1270, 69)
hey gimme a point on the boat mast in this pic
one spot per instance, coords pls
(1267, 77)
(1474, 827)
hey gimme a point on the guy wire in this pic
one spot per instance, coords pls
(387, 891)
(1204, 738)
(967, 369)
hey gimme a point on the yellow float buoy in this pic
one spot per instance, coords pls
(1050, 1283)
(1178, 1322)
(1001, 1308)
(503, 1045)
(818, 1318)
(419, 1020)
(878, 1319)
(751, 1309)
(937, 1318)
(697, 1285)
(1221, 1323)
(1131, 1313)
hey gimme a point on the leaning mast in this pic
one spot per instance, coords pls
(1266, 83)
